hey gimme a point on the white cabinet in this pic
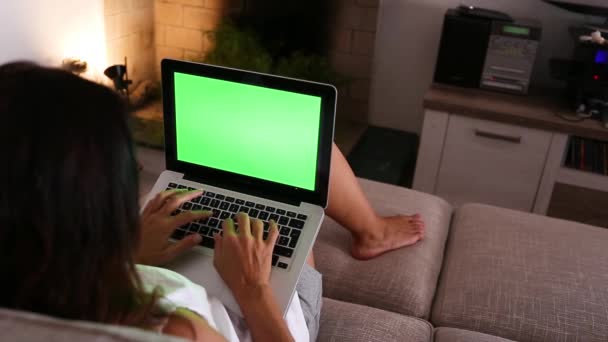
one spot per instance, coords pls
(481, 161)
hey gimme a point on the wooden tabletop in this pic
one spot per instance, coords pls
(536, 111)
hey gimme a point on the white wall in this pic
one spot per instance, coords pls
(407, 45)
(47, 31)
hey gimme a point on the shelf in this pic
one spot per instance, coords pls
(582, 179)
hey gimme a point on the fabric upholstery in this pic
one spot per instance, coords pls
(342, 321)
(524, 277)
(401, 281)
(16, 326)
(459, 335)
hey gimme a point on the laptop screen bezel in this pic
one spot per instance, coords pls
(237, 182)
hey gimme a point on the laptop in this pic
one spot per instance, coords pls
(254, 143)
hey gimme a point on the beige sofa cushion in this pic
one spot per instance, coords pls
(342, 321)
(402, 281)
(17, 326)
(459, 335)
(524, 277)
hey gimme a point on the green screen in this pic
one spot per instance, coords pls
(522, 31)
(250, 130)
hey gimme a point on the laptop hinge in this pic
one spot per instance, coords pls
(248, 190)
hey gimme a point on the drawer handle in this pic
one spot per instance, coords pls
(497, 136)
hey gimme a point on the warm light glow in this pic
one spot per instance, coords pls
(88, 43)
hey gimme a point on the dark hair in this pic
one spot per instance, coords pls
(69, 214)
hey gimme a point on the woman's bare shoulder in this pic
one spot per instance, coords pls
(186, 324)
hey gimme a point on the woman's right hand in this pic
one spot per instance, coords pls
(244, 259)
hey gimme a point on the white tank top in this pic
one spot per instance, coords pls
(180, 292)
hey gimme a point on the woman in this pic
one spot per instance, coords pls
(71, 233)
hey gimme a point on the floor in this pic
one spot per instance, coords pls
(347, 134)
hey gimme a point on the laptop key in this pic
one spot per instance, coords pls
(213, 223)
(260, 206)
(295, 234)
(283, 251)
(215, 203)
(207, 242)
(205, 201)
(283, 241)
(233, 208)
(274, 217)
(224, 215)
(230, 199)
(216, 213)
(275, 259)
(244, 209)
(291, 214)
(209, 194)
(204, 230)
(253, 213)
(224, 205)
(173, 185)
(197, 207)
(250, 204)
(263, 215)
(285, 231)
(295, 223)
(293, 243)
(181, 187)
(282, 265)
(302, 217)
(270, 209)
(220, 197)
(194, 227)
(281, 212)
(240, 202)
(187, 206)
(283, 220)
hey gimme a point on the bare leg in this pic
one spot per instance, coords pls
(373, 235)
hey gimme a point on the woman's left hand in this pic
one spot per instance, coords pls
(157, 225)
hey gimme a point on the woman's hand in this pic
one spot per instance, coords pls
(157, 225)
(244, 259)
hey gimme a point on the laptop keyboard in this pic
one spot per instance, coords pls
(290, 223)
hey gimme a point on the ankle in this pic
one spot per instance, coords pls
(372, 229)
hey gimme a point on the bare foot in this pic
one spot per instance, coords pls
(391, 233)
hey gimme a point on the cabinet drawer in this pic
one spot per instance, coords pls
(493, 163)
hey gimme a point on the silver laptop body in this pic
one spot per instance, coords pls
(194, 94)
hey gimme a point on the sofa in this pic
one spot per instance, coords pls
(481, 274)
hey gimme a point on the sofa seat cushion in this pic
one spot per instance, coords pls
(459, 335)
(402, 281)
(524, 277)
(19, 326)
(342, 321)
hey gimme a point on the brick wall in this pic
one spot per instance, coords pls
(130, 32)
(180, 27)
(351, 54)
